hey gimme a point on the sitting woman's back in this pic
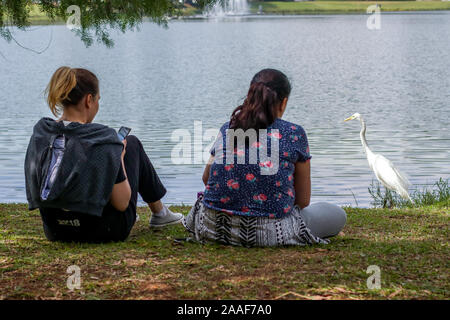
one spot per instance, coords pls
(258, 190)
(264, 188)
(81, 176)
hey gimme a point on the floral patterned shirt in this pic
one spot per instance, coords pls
(245, 189)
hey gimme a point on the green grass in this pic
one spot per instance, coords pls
(411, 246)
(314, 7)
(438, 194)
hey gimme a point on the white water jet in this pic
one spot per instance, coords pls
(225, 8)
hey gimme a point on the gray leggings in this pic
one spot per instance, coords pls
(324, 219)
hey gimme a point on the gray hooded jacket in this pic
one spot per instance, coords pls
(88, 168)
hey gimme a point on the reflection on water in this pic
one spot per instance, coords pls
(156, 81)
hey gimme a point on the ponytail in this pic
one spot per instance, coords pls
(68, 87)
(267, 90)
(61, 84)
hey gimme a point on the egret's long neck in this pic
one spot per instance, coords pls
(363, 137)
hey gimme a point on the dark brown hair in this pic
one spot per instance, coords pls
(68, 86)
(267, 90)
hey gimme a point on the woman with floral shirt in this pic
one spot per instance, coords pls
(258, 190)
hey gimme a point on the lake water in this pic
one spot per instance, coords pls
(158, 80)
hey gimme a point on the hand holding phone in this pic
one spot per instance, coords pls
(123, 133)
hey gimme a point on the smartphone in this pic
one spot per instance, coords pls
(123, 133)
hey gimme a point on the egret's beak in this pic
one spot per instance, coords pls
(349, 118)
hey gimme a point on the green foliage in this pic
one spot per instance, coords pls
(97, 16)
(438, 195)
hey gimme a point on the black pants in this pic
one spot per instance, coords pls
(113, 225)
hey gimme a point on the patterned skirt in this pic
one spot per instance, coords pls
(205, 224)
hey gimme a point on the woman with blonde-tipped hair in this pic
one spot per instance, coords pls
(80, 175)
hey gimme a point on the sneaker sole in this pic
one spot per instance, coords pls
(166, 224)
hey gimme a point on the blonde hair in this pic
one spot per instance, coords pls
(68, 86)
(62, 83)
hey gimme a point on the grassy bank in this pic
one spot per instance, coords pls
(323, 7)
(37, 17)
(438, 193)
(411, 247)
(293, 8)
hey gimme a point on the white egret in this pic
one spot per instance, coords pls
(384, 169)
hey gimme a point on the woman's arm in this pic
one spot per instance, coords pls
(121, 194)
(205, 177)
(302, 184)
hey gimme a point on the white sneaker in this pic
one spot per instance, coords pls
(168, 219)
